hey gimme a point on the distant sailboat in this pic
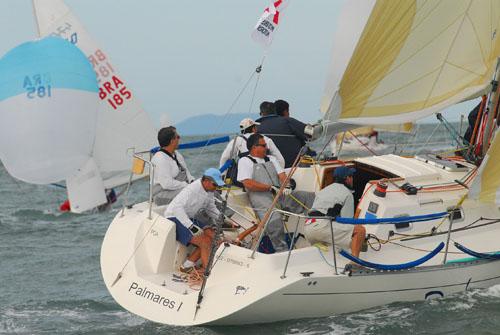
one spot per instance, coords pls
(46, 88)
(367, 138)
(122, 123)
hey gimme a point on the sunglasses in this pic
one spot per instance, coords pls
(214, 184)
(261, 145)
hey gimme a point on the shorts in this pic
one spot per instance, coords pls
(183, 234)
(318, 230)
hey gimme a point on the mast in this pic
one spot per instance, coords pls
(492, 103)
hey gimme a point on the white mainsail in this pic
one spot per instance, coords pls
(122, 122)
(434, 54)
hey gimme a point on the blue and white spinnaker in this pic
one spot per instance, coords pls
(48, 110)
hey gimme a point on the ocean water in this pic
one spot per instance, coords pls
(50, 278)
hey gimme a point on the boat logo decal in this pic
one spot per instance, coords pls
(241, 290)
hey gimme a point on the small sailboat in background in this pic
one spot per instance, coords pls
(47, 87)
(367, 138)
(433, 222)
(122, 124)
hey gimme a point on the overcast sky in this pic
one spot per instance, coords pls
(185, 58)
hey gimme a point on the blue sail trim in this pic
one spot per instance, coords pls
(401, 266)
(198, 144)
(477, 254)
(415, 218)
(50, 63)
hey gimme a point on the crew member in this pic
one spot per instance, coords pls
(286, 132)
(239, 149)
(193, 210)
(336, 200)
(171, 174)
(262, 176)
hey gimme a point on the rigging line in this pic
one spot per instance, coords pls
(410, 237)
(258, 70)
(410, 140)
(326, 144)
(428, 139)
(325, 260)
(366, 147)
(423, 250)
(298, 201)
(238, 96)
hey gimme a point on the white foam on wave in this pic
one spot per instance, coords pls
(322, 328)
(9, 325)
(493, 291)
(64, 317)
(367, 322)
(460, 306)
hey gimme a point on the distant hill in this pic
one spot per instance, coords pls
(208, 124)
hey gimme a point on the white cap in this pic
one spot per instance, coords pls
(246, 123)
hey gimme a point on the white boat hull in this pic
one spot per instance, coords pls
(242, 290)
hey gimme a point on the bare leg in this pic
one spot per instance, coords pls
(203, 242)
(358, 237)
(195, 255)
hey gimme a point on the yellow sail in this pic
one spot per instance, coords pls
(416, 57)
(486, 185)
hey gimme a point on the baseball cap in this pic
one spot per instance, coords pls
(343, 172)
(245, 123)
(215, 175)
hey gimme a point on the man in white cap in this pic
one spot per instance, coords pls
(237, 147)
(191, 211)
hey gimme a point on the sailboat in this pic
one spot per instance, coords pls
(433, 222)
(46, 83)
(367, 138)
(122, 125)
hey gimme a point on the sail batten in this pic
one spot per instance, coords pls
(416, 57)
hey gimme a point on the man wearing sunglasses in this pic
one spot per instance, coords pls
(193, 211)
(171, 174)
(262, 176)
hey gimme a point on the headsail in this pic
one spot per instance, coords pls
(486, 185)
(122, 122)
(48, 110)
(415, 58)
